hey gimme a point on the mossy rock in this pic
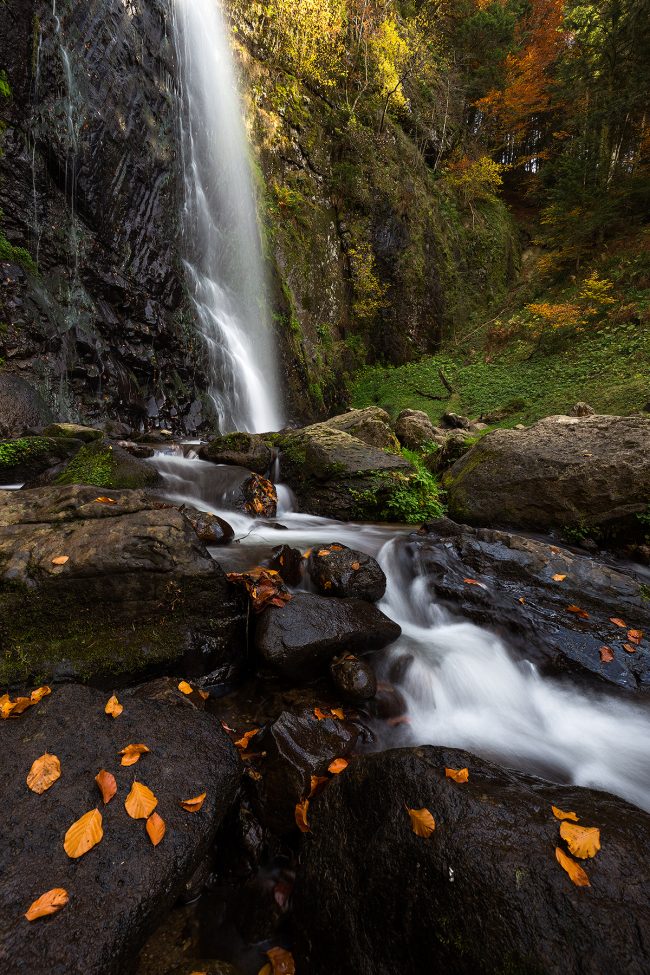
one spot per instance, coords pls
(75, 430)
(248, 450)
(26, 458)
(108, 466)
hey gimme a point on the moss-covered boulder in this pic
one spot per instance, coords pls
(76, 430)
(137, 590)
(25, 458)
(247, 450)
(108, 466)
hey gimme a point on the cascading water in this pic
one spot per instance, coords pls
(223, 255)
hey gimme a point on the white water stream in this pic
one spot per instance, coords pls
(463, 687)
(223, 253)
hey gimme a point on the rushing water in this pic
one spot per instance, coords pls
(223, 256)
(463, 686)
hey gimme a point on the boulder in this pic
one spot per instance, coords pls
(452, 421)
(415, 430)
(109, 466)
(28, 458)
(336, 570)
(289, 562)
(301, 638)
(582, 409)
(123, 887)
(74, 431)
(484, 892)
(247, 450)
(138, 590)
(524, 593)
(354, 678)
(589, 474)
(22, 408)
(259, 499)
(211, 529)
(370, 425)
(453, 446)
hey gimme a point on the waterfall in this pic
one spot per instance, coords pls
(223, 253)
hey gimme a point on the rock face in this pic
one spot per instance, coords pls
(247, 450)
(484, 893)
(518, 598)
(138, 590)
(301, 638)
(371, 426)
(589, 473)
(123, 887)
(21, 407)
(414, 429)
(337, 570)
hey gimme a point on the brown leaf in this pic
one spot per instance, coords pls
(606, 655)
(460, 775)
(281, 961)
(185, 688)
(204, 695)
(560, 814)
(302, 808)
(156, 828)
(140, 802)
(131, 754)
(105, 501)
(243, 742)
(316, 785)
(422, 822)
(615, 620)
(583, 841)
(113, 707)
(629, 648)
(84, 834)
(337, 766)
(264, 587)
(574, 870)
(583, 614)
(522, 600)
(48, 903)
(635, 636)
(559, 578)
(194, 805)
(44, 773)
(107, 785)
(61, 560)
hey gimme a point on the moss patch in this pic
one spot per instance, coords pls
(108, 467)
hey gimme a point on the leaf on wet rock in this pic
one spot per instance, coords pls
(193, 805)
(156, 828)
(13, 709)
(316, 784)
(140, 802)
(582, 613)
(560, 814)
(83, 835)
(356, 566)
(474, 582)
(282, 962)
(104, 500)
(337, 766)
(558, 577)
(302, 808)
(617, 622)
(629, 648)
(106, 784)
(574, 870)
(583, 841)
(324, 552)
(458, 775)
(606, 655)
(38, 694)
(44, 773)
(264, 587)
(48, 903)
(131, 754)
(113, 707)
(320, 714)
(185, 688)
(422, 822)
(243, 742)
(60, 560)
(338, 713)
(635, 636)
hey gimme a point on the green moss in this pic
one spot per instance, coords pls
(27, 451)
(415, 498)
(97, 463)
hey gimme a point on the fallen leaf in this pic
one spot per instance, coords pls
(583, 841)
(560, 814)
(422, 822)
(337, 766)
(13, 709)
(105, 501)
(336, 548)
(474, 582)
(266, 969)
(316, 784)
(574, 870)
(252, 774)
(460, 775)
(193, 805)
(156, 828)
(264, 587)
(522, 600)
(356, 566)
(583, 614)
(323, 552)
(185, 688)
(282, 962)
(204, 695)
(635, 636)
(629, 647)
(107, 785)
(131, 754)
(320, 714)
(338, 713)
(302, 808)
(559, 578)
(615, 620)
(606, 655)
(140, 802)
(48, 903)
(38, 694)
(113, 707)
(61, 560)
(44, 773)
(245, 739)
(84, 834)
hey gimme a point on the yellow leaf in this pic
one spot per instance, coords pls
(140, 802)
(105, 501)
(422, 822)
(302, 808)
(193, 805)
(337, 766)
(84, 834)
(61, 560)
(156, 828)
(559, 578)
(107, 785)
(583, 841)
(113, 707)
(38, 694)
(574, 870)
(458, 775)
(185, 688)
(338, 713)
(48, 903)
(131, 754)
(44, 773)
(560, 814)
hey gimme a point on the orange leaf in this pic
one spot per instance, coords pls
(606, 655)
(460, 775)
(113, 707)
(635, 636)
(422, 822)
(204, 695)
(131, 754)
(193, 805)
(44, 773)
(629, 648)
(583, 841)
(185, 688)
(583, 614)
(61, 560)
(245, 739)
(559, 578)
(38, 694)
(302, 808)
(48, 903)
(84, 834)
(140, 802)
(337, 766)
(338, 713)
(522, 600)
(316, 783)
(356, 566)
(320, 714)
(155, 828)
(560, 814)
(107, 785)
(474, 582)
(323, 552)
(574, 870)
(105, 501)
(615, 620)
(281, 961)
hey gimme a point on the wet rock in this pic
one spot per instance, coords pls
(301, 638)
(122, 888)
(354, 678)
(138, 592)
(260, 499)
(137, 449)
(247, 450)
(371, 426)
(455, 422)
(590, 473)
(27, 458)
(22, 408)
(415, 430)
(484, 893)
(337, 570)
(289, 562)
(211, 529)
(74, 431)
(108, 466)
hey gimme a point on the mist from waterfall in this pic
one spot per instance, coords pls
(223, 251)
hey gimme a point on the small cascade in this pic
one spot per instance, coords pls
(223, 253)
